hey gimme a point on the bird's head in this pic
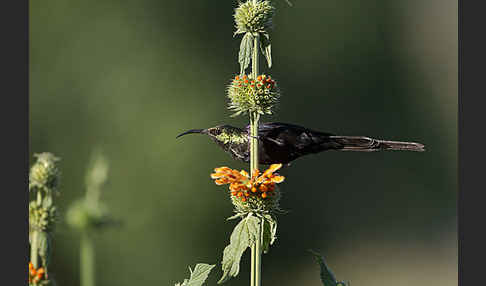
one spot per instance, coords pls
(223, 134)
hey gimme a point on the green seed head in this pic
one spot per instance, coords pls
(254, 18)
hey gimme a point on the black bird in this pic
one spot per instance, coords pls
(283, 142)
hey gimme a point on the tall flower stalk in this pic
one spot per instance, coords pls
(256, 252)
(43, 186)
(254, 195)
(89, 216)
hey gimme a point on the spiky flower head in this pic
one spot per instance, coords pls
(44, 174)
(253, 17)
(249, 95)
(256, 194)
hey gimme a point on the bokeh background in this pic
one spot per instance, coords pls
(128, 76)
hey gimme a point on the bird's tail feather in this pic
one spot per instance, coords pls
(366, 144)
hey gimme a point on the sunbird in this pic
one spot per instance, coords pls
(283, 142)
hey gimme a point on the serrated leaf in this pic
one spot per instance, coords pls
(198, 275)
(253, 225)
(246, 50)
(266, 48)
(327, 277)
(269, 232)
(243, 234)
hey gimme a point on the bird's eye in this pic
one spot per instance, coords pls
(215, 131)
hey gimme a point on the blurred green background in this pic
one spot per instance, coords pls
(128, 76)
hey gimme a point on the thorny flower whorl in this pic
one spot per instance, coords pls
(258, 194)
(44, 174)
(254, 18)
(249, 95)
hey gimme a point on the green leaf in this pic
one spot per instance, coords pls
(253, 225)
(246, 50)
(327, 277)
(44, 247)
(269, 232)
(244, 233)
(266, 48)
(235, 216)
(198, 276)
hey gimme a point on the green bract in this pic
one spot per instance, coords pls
(253, 18)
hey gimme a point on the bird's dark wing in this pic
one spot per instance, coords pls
(283, 142)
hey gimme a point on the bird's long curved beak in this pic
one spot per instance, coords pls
(192, 131)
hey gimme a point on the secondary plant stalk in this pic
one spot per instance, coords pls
(87, 261)
(34, 236)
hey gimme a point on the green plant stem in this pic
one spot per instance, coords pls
(34, 251)
(256, 251)
(34, 243)
(254, 116)
(87, 260)
(258, 257)
(252, 273)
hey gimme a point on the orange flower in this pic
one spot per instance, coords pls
(244, 187)
(36, 275)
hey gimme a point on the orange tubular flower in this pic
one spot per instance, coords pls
(243, 187)
(36, 275)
